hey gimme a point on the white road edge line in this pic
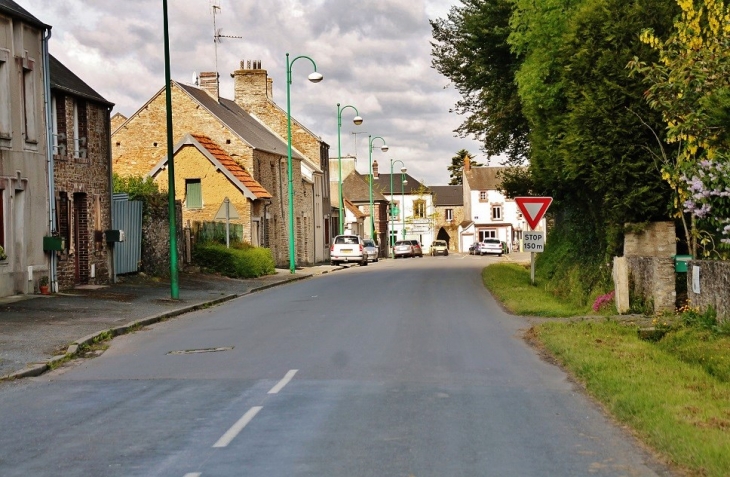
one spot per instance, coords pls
(288, 377)
(193, 474)
(237, 427)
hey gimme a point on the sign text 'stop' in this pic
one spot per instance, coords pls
(533, 208)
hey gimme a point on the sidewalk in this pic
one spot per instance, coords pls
(38, 331)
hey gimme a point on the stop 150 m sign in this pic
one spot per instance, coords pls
(533, 241)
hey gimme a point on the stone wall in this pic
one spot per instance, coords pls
(82, 193)
(156, 239)
(713, 287)
(658, 239)
(651, 279)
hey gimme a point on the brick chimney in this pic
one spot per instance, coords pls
(375, 169)
(208, 82)
(251, 86)
(467, 163)
(270, 88)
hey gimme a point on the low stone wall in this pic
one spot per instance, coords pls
(156, 239)
(708, 285)
(652, 280)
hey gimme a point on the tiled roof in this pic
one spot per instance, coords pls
(412, 186)
(65, 80)
(447, 195)
(15, 10)
(240, 122)
(353, 209)
(484, 178)
(233, 167)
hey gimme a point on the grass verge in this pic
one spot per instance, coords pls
(510, 284)
(674, 393)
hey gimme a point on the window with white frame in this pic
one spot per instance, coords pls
(496, 212)
(488, 233)
(449, 214)
(482, 195)
(80, 129)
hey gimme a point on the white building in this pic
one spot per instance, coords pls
(487, 212)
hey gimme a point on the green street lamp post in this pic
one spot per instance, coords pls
(358, 121)
(314, 78)
(403, 181)
(174, 285)
(383, 148)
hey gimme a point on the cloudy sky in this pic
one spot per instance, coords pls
(374, 55)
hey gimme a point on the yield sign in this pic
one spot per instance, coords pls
(533, 208)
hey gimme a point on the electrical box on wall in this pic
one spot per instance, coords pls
(114, 235)
(53, 244)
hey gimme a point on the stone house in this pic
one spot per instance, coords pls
(25, 160)
(139, 144)
(80, 135)
(414, 218)
(253, 91)
(487, 212)
(448, 202)
(205, 176)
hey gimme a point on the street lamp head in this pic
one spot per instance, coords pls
(357, 120)
(315, 77)
(403, 170)
(384, 148)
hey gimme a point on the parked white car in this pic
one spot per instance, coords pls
(490, 246)
(347, 249)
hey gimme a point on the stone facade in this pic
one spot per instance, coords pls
(82, 180)
(140, 143)
(253, 91)
(652, 280)
(156, 239)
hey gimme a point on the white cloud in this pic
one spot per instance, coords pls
(374, 55)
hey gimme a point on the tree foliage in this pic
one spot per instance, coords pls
(456, 169)
(690, 86)
(470, 48)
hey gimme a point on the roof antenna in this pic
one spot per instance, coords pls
(217, 32)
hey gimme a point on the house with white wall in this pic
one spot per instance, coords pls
(487, 212)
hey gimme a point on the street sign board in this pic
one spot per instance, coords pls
(533, 208)
(533, 241)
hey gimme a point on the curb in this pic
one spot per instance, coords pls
(73, 350)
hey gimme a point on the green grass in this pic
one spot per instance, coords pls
(510, 284)
(674, 393)
(674, 405)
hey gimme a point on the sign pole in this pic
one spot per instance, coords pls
(228, 220)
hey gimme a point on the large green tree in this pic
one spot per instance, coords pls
(470, 48)
(592, 139)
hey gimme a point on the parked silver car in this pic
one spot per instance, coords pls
(407, 248)
(348, 248)
(371, 250)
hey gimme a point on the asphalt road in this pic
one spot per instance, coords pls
(402, 368)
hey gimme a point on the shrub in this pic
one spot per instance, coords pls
(243, 262)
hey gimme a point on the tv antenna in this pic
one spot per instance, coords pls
(218, 32)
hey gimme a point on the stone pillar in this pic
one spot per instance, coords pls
(621, 284)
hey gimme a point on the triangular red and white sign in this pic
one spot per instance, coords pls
(533, 208)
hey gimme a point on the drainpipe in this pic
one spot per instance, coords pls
(52, 227)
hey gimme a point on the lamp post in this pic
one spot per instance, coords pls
(383, 148)
(402, 171)
(314, 77)
(358, 121)
(174, 285)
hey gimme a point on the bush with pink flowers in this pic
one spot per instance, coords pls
(603, 301)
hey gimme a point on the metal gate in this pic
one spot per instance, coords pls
(127, 216)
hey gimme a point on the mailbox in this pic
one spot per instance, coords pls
(114, 235)
(52, 243)
(680, 263)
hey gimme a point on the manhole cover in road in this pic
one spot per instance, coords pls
(202, 350)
